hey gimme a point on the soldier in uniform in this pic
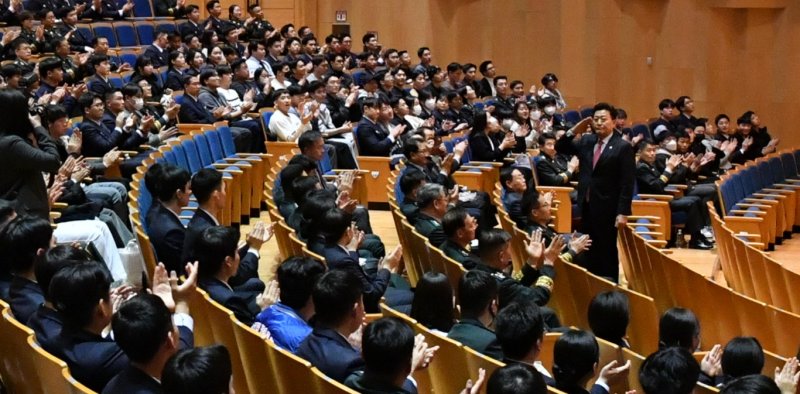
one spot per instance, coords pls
(537, 207)
(409, 184)
(459, 227)
(260, 26)
(432, 202)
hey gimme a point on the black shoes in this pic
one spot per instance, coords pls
(699, 241)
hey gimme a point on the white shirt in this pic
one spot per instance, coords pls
(231, 97)
(253, 64)
(287, 126)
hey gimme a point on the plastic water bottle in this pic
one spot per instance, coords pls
(680, 241)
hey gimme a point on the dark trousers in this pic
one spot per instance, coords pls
(692, 206)
(242, 138)
(706, 192)
(602, 258)
(256, 142)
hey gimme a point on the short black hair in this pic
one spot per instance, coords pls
(76, 289)
(47, 65)
(742, 356)
(516, 378)
(300, 186)
(411, 180)
(308, 139)
(334, 296)
(666, 103)
(153, 177)
(130, 90)
(141, 325)
(336, 221)
(96, 59)
(751, 384)
(669, 371)
(506, 175)
(296, 279)
(210, 4)
(453, 220)
(678, 327)
(484, 66)
(202, 370)
(22, 238)
(605, 107)
(680, 103)
(574, 356)
(214, 245)
(54, 260)
(171, 178)
(86, 100)
(476, 290)
(609, 315)
(422, 50)
(491, 240)
(206, 74)
(387, 346)
(205, 182)
(518, 327)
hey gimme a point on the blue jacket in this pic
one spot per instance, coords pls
(193, 111)
(133, 380)
(242, 304)
(374, 287)
(287, 328)
(47, 324)
(25, 297)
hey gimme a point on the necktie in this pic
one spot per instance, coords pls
(597, 153)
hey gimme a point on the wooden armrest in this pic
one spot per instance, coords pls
(658, 197)
(757, 245)
(739, 211)
(498, 165)
(59, 205)
(637, 217)
(146, 147)
(753, 205)
(224, 166)
(747, 235)
(777, 195)
(661, 244)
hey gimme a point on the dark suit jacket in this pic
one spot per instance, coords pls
(23, 164)
(99, 87)
(547, 380)
(609, 184)
(98, 139)
(79, 40)
(174, 80)
(167, 234)
(47, 324)
(242, 304)
(433, 174)
(457, 253)
(472, 333)
(168, 8)
(410, 210)
(574, 389)
(513, 203)
(248, 264)
(133, 380)
(193, 111)
(374, 287)
(531, 287)
(485, 88)
(25, 298)
(327, 350)
(550, 172)
(190, 28)
(366, 384)
(482, 150)
(372, 140)
(430, 228)
(649, 179)
(159, 58)
(94, 360)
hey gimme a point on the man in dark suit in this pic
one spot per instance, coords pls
(79, 40)
(520, 331)
(216, 251)
(209, 190)
(459, 227)
(340, 312)
(342, 239)
(372, 139)
(605, 188)
(81, 292)
(107, 9)
(486, 85)
(144, 330)
(503, 102)
(553, 169)
(432, 201)
(193, 111)
(164, 226)
(478, 300)
(157, 52)
(25, 239)
(515, 187)
(99, 85)
(410, 182)
(192, 27)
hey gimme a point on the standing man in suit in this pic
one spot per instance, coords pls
(605, 186)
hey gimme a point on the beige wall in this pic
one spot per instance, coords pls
(727, 56)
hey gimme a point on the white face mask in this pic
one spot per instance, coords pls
(550, 110)
(430, 104)
(536, 115)
(138, 103)
(671, 146)
(417, 109)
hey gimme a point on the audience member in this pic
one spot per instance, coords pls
(516, 379)
(204, 370)
(609, 314)
(477, 294)
(288, 319)
(25, 240)
(575, 358)
(433, 303)
(164, 225)
(520, 331)
(671, 370)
